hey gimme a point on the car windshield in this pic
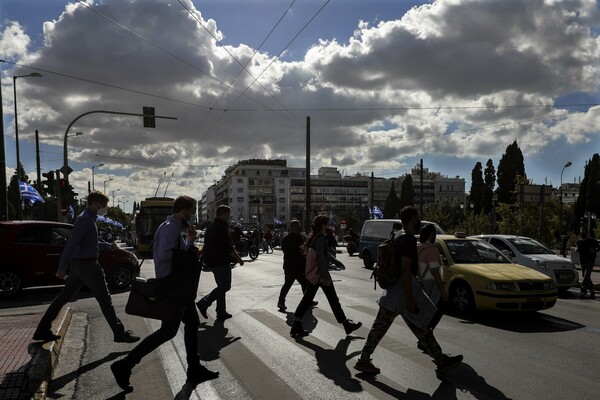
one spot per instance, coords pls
(529, 246)
(474, 252)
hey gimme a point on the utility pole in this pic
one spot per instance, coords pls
(37, 162)
(3, 187)
(372, 196)
(421, 191)
(307, 222)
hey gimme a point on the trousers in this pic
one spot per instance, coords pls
(332, 298)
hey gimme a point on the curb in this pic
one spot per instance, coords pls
(44, 358)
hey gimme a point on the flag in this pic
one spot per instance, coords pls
(377, 213)
(276, 221)
(29, 193)
(71, 212)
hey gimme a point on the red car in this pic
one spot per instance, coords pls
(30, 251)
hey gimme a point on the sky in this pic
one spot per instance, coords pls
(384, 82)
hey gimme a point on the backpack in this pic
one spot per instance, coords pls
(386, 272)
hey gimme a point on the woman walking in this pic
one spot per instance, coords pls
(317, 275)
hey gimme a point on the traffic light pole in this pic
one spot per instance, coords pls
(148, 119)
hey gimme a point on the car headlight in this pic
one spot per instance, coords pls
(549, 285)
(540, 264)
(506, 286)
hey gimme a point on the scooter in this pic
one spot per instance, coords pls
(246, 247)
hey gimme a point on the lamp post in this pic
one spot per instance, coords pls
(108, 180)
(95, 166)
(33, 75)
(563, 249)
(113, 196)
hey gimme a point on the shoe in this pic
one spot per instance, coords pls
(314, 303)
(224, 316)
(350, 326)
(298, 330)
(45, 336)
(200, 374)
(122, 373)
(445, 363)
(366, 366)
(202, 308)
(127, 337)
(281, 306)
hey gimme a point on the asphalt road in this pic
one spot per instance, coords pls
(552, 354)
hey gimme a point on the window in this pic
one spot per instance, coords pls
(240, 199)
(282, 199)
(240, 190)
(281, 190)
(240, 180)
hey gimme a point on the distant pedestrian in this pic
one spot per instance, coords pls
(294, 262)
(587, 248)
(318, 242)
(268, 240)
(168, 239)
(430, 277)
(332, 245)
(218, 254)
(406, 298)
(79, 266)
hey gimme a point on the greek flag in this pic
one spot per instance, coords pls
(377, 213)
(29, 193)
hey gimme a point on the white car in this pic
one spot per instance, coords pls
(530, 253)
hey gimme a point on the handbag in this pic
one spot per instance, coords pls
(144, 302)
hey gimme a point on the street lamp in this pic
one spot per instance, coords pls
(563, 249)
(95, 166)
(108, 180)
(113, 196)
(32, 75)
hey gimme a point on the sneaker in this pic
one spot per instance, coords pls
(281, 306)
(366, 366)
(350, 326)
(224, 316)
(200, 374)
(202, 308)
(445, 363)
(127, 337)
(122, 372)
(298, 330)
(45, 336)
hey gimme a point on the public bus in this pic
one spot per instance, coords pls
(153, 212)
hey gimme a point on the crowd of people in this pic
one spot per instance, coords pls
(417, 297)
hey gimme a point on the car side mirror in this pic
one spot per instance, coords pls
(508, 254)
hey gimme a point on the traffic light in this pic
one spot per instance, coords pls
(149, 121)
(48, 183)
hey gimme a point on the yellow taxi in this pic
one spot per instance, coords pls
(479, 277)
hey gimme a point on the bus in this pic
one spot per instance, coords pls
(153, 212)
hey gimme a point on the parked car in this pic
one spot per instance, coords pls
(479, 277)
(530, 253)
(374, 232)
(31, 251)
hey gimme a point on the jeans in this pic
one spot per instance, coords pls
(332, 298)
(222, 275)
(89, 273)
(586, 271)
(184, 310)
(290, 277)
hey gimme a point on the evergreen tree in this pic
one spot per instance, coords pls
(391, 208)
(488, 190)
(407, 193)
(510, 166)
(592, 197)
(477, 188)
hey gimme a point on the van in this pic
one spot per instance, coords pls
(375, 231)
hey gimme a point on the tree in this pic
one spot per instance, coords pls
(391, 208)
(477, 188)
(489, 184)
(589, 198)
(407, 193)
(510, 166)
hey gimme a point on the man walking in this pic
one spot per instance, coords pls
(79, 266)
(167, 240)
(406, 298)
(218, 254)
(587, 248)
(294, 262)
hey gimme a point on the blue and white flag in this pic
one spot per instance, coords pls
(71, 212)
(29, 193)
(377, 213)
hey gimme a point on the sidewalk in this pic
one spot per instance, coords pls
(26, 366)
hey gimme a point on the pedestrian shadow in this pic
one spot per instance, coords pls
(309, 322)
(58, 383)
(332, 363)
(187, 390)
(463, 378)
(212, 339)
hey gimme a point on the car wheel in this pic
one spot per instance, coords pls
(253, 253)
(10, 283)
(462, 298)
(367, 260)
(122, 277)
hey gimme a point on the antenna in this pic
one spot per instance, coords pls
(168, 182)
(159, 183)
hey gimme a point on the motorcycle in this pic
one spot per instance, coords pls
(247, 247)
(351, 245)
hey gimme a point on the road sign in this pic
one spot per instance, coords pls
(69, 169)
(535, 193)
